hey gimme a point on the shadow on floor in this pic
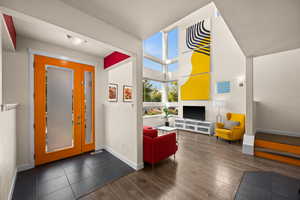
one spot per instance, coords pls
(70, 178)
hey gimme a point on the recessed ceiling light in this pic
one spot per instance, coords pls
(76, 40)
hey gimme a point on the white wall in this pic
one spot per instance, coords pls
(157, 120)
(16, 87)
(119, 126)
(276, 90)
(1, 36)
(227, 64)
(8, 166)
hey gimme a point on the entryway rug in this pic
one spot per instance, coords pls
(260, 185)
(70, 178)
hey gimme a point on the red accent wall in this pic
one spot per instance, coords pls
(114, 58)
(11, 29)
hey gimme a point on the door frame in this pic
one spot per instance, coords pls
(31, 53)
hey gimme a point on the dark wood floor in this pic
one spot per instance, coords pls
(204, 169)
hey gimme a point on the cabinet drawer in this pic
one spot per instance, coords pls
(179, 125)
(190, 127)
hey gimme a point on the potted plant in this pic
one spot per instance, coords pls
(167, 114)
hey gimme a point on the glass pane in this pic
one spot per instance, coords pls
(153, 45)
(173, 67)
(152, 65)
(173, 91)
(152, 91)
(59, 108)
(88, 88)
(152, 110)
(173, 43)
(173, 110)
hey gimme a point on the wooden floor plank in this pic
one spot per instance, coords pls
(204, 168)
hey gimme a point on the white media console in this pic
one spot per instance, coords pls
(197, 126)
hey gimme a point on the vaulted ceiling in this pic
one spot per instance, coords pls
(260, 26)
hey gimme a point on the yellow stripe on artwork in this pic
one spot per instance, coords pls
(196, 88)
(200, 63)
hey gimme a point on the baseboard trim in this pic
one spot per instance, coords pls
(278, 132)
(12, 186)
(24, 167)
(135, 166)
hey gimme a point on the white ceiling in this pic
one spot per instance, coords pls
(45, 32)
(141, 18)
(263, 26)
(260, 26)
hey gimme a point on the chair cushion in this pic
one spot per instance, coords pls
(150, 133)
(147, 127)
(223, 131)
(229, 124)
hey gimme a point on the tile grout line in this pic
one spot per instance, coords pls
(69, 183)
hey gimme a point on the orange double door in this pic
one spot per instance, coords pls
(63, 109)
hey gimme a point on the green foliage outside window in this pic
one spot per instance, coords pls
(173, 91)
(151, 91)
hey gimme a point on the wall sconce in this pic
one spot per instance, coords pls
(241, 81)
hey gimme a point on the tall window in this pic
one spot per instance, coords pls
(173, 43)
(152, 91)
(153, 45)
(173, 91)
(152, 65)
(173, 67)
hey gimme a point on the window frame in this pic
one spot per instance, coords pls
(164, 61)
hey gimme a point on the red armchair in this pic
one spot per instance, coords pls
(157, 148)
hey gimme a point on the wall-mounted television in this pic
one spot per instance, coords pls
(194, 112)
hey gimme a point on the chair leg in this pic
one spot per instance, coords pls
(217, 137)
(174, 156)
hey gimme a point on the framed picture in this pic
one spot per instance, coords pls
(127, 93)
(223, 87)
(113, 92)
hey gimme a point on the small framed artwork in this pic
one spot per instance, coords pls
(223, 87)
(112, 92)
(127, 93)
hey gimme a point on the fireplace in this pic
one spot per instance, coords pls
(194, 112)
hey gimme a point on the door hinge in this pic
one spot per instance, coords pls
(34, 156)
(34, 126)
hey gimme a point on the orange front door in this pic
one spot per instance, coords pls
(63, 109)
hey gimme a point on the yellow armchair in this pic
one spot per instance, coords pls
(236, 133)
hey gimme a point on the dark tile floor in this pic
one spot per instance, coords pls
(70, 178)
(268, 186)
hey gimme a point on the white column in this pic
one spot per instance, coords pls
(137, 80)
(165, 53)
(248, 142)
(165, 66)
(1, 24)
